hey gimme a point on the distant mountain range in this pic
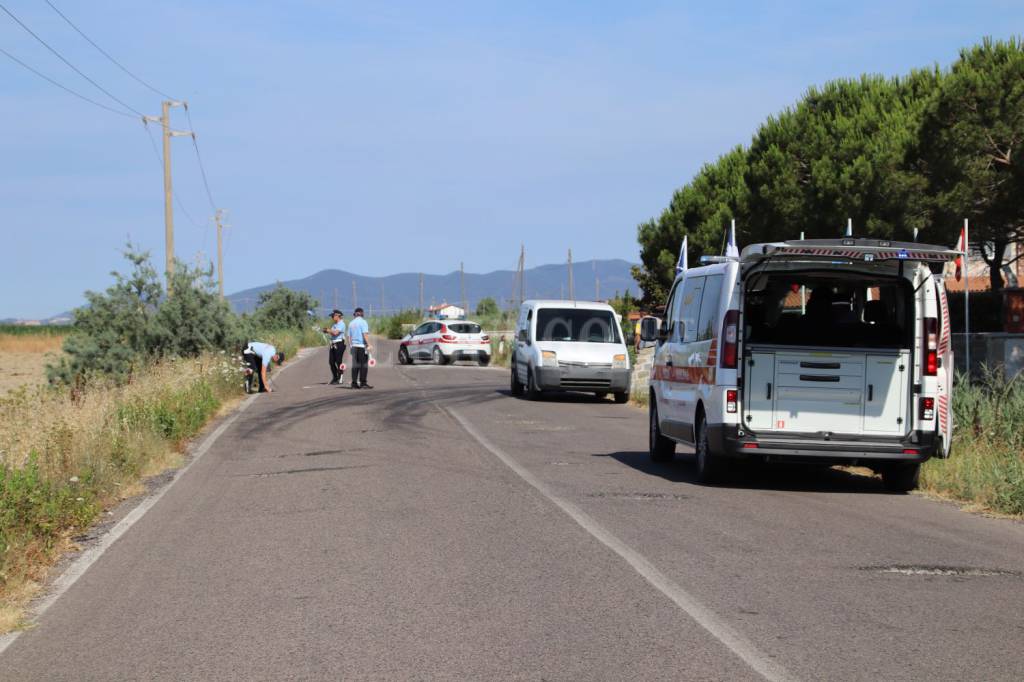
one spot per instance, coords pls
(333, 288)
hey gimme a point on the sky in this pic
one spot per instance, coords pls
(404, 137)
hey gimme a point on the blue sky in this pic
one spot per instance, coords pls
(382, 138)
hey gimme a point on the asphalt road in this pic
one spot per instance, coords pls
(437, 528)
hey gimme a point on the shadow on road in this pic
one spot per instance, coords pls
(755, 475)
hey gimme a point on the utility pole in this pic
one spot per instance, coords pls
(462, 287)
(382, 298)
(572, 293)
(335, 298)
(421, 294)
(597, 281)
(218, 217)
(165, 124)
(354, 304)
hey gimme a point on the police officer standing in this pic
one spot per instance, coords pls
(359, 338)
(337, 351)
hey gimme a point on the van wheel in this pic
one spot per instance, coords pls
(532, 392)
(709, 464)
(439, 358)
(661, 449)
(621, 397)
(403, 356)
(901, 478)
(515, 387)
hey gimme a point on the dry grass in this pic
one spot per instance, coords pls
(27, 343)
(66, 456)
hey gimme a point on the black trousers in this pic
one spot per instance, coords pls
(255, 363)
(360, 365)
(335, 356)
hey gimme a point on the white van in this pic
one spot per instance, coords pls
(834, 350)
(569, 346)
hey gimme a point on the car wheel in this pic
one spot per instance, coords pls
(403, 356)
(532, 392)
(439, 358)
(483, 360)
(901, 478)
(709, 464)
(662, 449)
(515, 387)
(621, 397)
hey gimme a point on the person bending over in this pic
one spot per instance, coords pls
(258, 356)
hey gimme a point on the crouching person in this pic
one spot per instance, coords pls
(258, 357)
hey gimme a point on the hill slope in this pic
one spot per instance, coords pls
(401, 291)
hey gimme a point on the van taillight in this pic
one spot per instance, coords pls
(930, 347)
(927, 409)
(730, 400)
(729, 336)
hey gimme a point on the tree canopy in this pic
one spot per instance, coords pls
(921, 152)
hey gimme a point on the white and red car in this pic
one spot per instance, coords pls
(444, 341)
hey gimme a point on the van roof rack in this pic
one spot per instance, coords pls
(860, 248)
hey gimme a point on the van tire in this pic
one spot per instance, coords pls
(532, 392)
(439, 358)
(709, 464)
(621, 397)
(515, 387)
(661, 449)
(901, 478)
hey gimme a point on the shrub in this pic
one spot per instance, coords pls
(391, 326)
(283, 308)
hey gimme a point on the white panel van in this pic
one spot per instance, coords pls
(829, 350)
(569, 346)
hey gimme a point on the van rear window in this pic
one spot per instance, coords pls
(813, 310)
(574, 324)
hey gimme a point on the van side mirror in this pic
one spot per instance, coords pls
(522, 336)
(650, 329)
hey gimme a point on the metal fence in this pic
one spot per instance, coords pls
(989, 350)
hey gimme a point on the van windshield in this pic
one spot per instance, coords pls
(820, 310)
(574, 324)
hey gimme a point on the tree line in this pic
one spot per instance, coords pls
(921, 151)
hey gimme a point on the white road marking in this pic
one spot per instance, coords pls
(90, 556)
(701, 614)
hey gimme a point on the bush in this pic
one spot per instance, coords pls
(283, 308)
(391, 326)
(986, 465)
(486, 307)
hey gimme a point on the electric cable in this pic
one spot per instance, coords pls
(104, 52)
(202, 169)
(70, 65)
(160, 161)
(63, 87)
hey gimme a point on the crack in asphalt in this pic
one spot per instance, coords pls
(304, 471)
(951, 571)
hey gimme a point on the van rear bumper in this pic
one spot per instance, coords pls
(917, 446)
(576, 378)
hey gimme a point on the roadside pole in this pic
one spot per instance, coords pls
(218, 218)
(967, 298)
(165, 124)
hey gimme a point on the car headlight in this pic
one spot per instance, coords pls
(549, 358)
(619, 361)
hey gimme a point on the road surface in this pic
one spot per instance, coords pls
(437, 528)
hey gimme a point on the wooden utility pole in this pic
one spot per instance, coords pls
(462, 287)
(354, 304)
(597, 281)
(421, 294)
(335, 298)
(572, 293)
(218, 217)
(165, 124)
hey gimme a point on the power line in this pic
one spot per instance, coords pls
(72, 66)
(104, 52)
(202, 169)
(63, 87)
(160, 161)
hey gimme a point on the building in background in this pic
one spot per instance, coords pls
(446, 311)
